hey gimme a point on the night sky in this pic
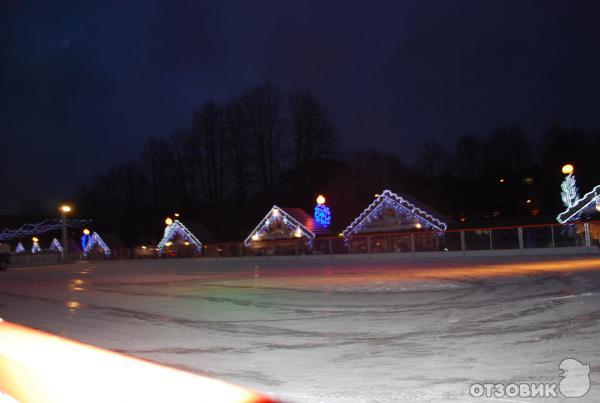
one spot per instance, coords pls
(84, 83)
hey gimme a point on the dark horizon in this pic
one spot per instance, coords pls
(84, 86)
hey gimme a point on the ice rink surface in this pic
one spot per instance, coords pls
(329, 331)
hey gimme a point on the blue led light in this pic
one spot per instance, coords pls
(322, 214)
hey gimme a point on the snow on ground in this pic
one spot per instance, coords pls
(329, 331)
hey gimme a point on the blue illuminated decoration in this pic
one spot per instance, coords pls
(85, 238)
(322, 215)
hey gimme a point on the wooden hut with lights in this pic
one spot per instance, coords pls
(179, 240)
(389, 220)
(285, 230)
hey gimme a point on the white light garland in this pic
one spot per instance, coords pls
(569, 193)
(55, 246)
(388, 199)
(20, 248)
(96, 240)
(277, 213)
(584, 202)
(27, 230)
(176, 228)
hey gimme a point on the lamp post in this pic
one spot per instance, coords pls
(64, 209)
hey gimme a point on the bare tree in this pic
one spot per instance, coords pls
(208, 128)
(312, 129)
(431, 158)
(238, 140)
(264, 108)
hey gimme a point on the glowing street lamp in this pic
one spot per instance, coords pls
(64, 209)
(169, 221)
(568, 169)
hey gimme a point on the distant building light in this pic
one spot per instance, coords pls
(501, 180)
(528, 201)
(418, 225)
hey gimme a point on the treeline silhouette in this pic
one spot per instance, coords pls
(267, 146)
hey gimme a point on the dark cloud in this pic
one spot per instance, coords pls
(84, 83)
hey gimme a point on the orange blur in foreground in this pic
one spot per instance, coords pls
(40, 367)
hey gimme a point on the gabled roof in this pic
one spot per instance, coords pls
(176, 228)
(96, 240)
(389, 199)
(294, 218)
(56, 246)
(583, 205)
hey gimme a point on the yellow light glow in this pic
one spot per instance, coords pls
(35, 239)
(321, 199)
(186, 243)
(528, 201)
(169, 221)
(144, 247)
(176, 214)
(376, 195)
(255, 237)
(86, 231)
(501, 180)
(598, 206)
(275, 212)
(418, 225)
(568, 169)
(65, 208)
(169, 243)
(298, 233)
(43, 367)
